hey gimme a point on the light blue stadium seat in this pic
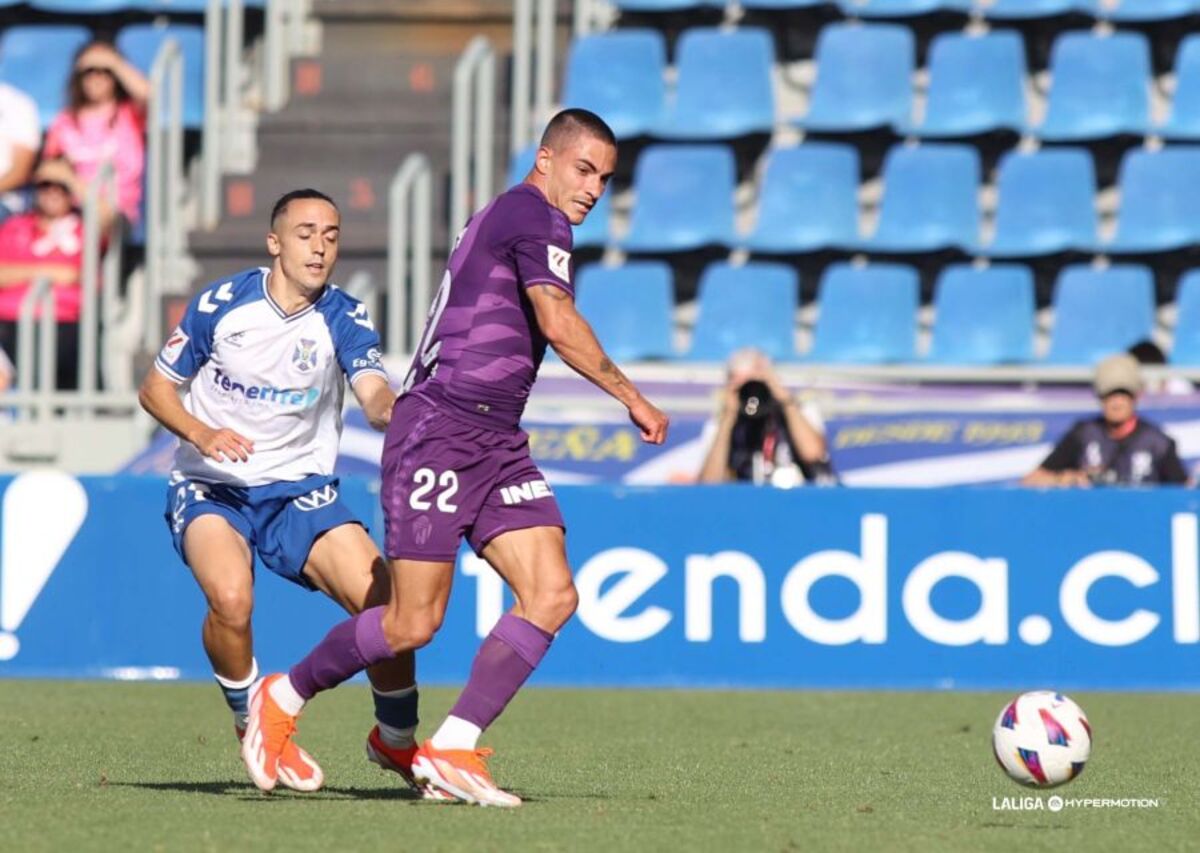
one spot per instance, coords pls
(867, 315)
(724, 88)
(984, 316)
(38, 59)
(976, 85)
(667, 5)
(1143, 11)
(1005, 10)
(903, 8)
(594, 230)
(752, 305)
(683, 199)
(1160, 202)
(1046, 203)
(1100, 312)
(82, 7)
(140, 43)
(618, 75)
(1184, 120)
(629, 307)
(781, 5)
(864, 78)
(1099, 87)
(809, 200)
(1186, 348)
(929, 199)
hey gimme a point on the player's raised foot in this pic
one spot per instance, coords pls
(400, 761)
(297, 769)
(269, 729)
(463, 773)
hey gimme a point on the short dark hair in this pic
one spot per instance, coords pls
(298, 195)
(571, 122)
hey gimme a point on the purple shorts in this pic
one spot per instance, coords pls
(444, 479)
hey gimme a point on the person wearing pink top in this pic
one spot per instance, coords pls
(104, 122)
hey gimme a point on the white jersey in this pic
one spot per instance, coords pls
(276, 379)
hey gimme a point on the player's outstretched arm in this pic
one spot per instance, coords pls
(159, 397)
(575, 342)
(376, 398)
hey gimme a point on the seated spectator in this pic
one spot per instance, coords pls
(762, 434)
(104, 122)
(47, 243)
(1148, 352)
(1117, 447)
(20, 138)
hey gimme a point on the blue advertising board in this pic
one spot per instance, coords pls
(679, 586)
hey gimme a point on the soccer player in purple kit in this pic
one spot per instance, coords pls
(456, 463)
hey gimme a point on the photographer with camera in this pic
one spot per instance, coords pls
(1117, 447)
(762, 434)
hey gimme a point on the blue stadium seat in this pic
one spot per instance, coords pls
(519, 165)
(629, 308)
(667, 5)
(1160, 204)
(1099, 87)
(38, 59)
(1144, 11)
(864, 78)
(929, 199)
(618, 75)
(82, 7)
(752, 305)
(140, 43)
(1046, 205)
(1186, 349)
(594, 230)
(1007, 10)
(903, 8)
(984, 316)
(809, 200)
(976, 85)
(781, 5)
(683, 199)
(724, 88)
(1100, 312)
(1184, 121)
(868, 315)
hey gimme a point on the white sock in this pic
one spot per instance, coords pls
(456, 733)
(286, 697)
(240, 684)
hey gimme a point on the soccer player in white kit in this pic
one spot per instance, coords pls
(264, 357)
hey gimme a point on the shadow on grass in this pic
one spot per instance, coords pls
(245, 791)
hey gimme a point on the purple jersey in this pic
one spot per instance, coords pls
(482, 346)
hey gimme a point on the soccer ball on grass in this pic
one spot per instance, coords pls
(1042, 739)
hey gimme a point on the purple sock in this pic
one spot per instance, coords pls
(350, 647)
(508, 655)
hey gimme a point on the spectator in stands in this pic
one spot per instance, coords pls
(761, 433)
(20, 138)
(46, 242)
(104, 122)
(1148, 352)
(1117, 447)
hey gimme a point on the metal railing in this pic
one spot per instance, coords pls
(284, 37)
(164, 184)
(410, 212)
(532, 98)
(471, 133)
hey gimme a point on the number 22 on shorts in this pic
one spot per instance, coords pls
(426, 480)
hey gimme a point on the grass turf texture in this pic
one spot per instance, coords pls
(104, 766)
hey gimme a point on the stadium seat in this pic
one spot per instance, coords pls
(1144, 11)
(82, 7)
(781, 5)
(629, 307)
(867, 315)
(1186, 349)
(1160, 204)
(976, 85)
(809, 200)
(751, 305)
(983, 316)
(618, 75)
(140, 43)
(667, 5)
(864, 78)
(1007, 10)
(1100, 312)
(594, 230)
(1099, 87)
(1184, 120)
(724, 88)
(683, 199)
(519, 165)
(903, 8)
(37, 59)
(929, 199)
(1046, 203)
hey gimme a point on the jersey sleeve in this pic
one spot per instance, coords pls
(1170, 467)
(356, 342)
(190, 345)
(541, 246)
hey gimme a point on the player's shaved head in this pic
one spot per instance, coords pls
(281, 206)
(566, 127)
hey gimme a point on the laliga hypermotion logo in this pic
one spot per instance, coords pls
(41, 513)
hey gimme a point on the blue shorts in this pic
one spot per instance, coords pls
(279, 521)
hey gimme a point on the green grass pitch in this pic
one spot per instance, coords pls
(105, 766)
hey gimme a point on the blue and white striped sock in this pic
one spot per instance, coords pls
(237, 694)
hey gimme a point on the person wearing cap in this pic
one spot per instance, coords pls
(762, 433)
(1117, 447)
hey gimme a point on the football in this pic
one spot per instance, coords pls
(1042, 739)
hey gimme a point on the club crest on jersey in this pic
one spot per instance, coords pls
(174, 346)
(305, 356)
(560, 262)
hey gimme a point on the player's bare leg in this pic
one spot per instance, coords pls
(533, 561)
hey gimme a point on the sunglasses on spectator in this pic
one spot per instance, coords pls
(52, 185)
